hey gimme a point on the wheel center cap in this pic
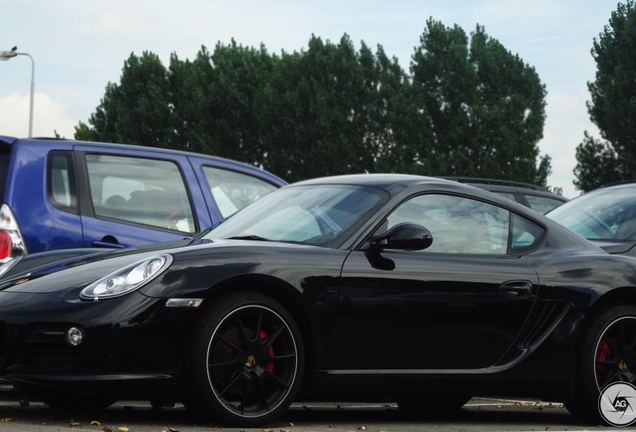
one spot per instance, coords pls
(251, 361)
(622, 366)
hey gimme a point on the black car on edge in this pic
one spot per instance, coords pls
(370, 287)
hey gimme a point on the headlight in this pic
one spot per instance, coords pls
(128, 279)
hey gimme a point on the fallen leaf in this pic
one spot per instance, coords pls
(74, 423)
(123, 429)
(362, 428)
(6, 420)
(95, 423)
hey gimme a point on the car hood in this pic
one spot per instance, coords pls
(76, 272)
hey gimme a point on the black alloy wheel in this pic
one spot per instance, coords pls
(607, 355)
(247, 362)
(615, 356)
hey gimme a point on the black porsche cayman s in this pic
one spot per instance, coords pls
(370, 287)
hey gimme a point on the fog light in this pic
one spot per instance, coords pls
(74, 336)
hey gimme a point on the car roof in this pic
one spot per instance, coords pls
(382, 181)
(394, 184)
(13, 141)
(509, 186)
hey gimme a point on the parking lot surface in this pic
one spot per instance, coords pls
(128, 416)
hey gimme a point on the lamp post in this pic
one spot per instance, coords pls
(6, 55)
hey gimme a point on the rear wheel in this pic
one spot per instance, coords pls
(245, 364)
(608, 355)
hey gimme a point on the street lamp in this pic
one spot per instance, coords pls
(6, 55)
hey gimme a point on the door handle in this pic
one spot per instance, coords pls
(516, 289)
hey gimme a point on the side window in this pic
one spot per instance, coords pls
(457, 224)
(542, 204)
(138, 190)
(233, 191)
(508, 195)
(525, 234)
(61, 181)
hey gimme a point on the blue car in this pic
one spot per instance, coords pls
(63, 194)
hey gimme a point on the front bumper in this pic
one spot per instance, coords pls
(132, 344)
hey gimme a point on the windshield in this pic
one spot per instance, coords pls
(311, 214)
(607, 214)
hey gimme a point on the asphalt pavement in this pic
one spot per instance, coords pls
(128, 416)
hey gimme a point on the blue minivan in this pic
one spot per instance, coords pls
(63, 194)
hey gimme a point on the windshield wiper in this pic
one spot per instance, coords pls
(248, 237)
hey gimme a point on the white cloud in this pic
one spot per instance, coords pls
(48, 116)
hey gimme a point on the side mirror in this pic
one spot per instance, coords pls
(404, 236)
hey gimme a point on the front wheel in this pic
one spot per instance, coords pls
(245, 364)
(608, 355)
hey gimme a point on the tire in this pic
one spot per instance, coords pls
(608, 354)
(426, 405)
(245, 363)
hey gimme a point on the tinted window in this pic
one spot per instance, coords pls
(457, 224)
(525, 234)
(144, 191)
(542, 204)
(605, 214)
(61, 181)
(233, 191)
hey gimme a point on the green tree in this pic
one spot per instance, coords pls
(613, 104)
(598, 164)
(137, 110)
(467, 109)
(484, 106)
(326, 109)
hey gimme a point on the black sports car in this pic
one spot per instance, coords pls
(367, 287)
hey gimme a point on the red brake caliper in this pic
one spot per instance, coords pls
(270, 366)
(602, 354)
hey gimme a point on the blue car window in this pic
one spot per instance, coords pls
(141, 191)
(232, 191)
(61, 181)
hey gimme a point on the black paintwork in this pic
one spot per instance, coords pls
(376, 323)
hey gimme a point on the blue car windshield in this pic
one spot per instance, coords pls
(309, 214)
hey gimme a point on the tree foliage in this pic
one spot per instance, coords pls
(468, 107)
(613, 105)
(598, 164)
(485, 107)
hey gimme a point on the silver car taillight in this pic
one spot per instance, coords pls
(11, 242)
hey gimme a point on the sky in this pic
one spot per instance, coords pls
(79, 46)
